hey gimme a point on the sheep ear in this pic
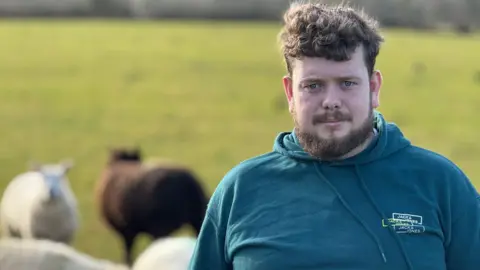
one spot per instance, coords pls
(34, 165)
(68, 164)
(136, 149)
(109, 148)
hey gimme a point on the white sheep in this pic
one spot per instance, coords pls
(168, 253)
(40, 204)
(36, 254)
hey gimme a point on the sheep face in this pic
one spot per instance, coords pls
(125, 154)
(56, 181)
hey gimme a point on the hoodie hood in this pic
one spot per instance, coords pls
(388, 141)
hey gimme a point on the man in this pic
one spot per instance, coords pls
(345, 189)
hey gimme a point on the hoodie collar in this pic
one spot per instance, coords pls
(389, 139)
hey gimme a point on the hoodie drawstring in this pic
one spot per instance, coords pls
(395, 235)
(358, 218)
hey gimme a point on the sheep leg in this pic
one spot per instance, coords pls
(13, 232)
(197, 214)
(10, 231)
(197, 220)
(128, 240)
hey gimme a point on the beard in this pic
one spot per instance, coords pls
(334, 148)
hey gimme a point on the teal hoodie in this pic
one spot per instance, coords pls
(393, 206)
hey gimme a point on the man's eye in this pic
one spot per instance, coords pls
(349, 83)
(312, 86)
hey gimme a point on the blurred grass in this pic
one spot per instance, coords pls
(206, 94)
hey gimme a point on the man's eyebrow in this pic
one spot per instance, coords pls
(348, 77)
(310, 79)
(340, 78)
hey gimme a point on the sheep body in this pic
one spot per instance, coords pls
(29, 254)
(34, 202)
(168, 253)
(134, 198)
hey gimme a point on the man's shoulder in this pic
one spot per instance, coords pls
(248, 170)
(432, 163)
(237, 178)
(251, 167)
(429, 159)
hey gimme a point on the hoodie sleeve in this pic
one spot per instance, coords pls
(463, 240)
(209, 251)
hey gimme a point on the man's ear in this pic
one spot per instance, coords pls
(376, 81)
(288, 88)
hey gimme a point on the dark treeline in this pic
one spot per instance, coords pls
(462, 15)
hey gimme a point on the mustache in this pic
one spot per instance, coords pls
(332, 116)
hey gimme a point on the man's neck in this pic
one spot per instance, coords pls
(362, 146)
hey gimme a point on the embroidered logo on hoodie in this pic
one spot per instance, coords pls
(405, 223)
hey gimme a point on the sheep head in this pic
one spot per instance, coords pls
(125, 154)
(55, 177)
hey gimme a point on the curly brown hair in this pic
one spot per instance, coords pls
(331, 32)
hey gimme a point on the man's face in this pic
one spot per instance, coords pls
(332, 104)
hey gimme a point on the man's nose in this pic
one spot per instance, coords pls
(332, 100)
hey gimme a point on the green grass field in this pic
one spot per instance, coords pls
(208, 95)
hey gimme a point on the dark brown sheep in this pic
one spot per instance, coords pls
(155, 200)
